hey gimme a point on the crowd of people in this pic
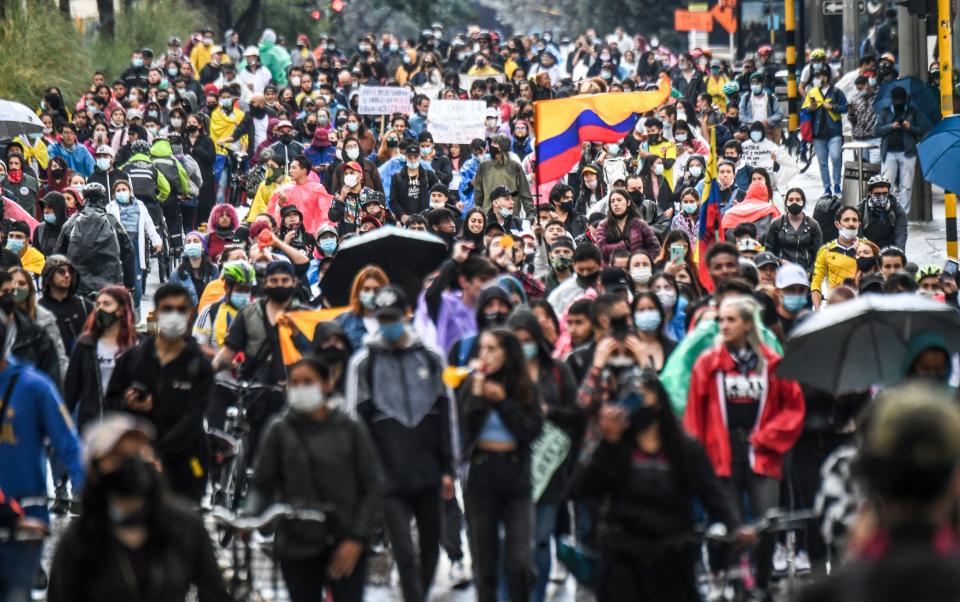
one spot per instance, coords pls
(630, 317)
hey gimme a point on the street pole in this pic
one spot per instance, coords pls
(944, 38)
(851, 35)
(793, 118)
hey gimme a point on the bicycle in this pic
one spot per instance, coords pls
(231, 447)
(237, 180)
(240, 580)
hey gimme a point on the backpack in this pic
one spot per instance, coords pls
(143, 179)
(825, 214)
(94, 250)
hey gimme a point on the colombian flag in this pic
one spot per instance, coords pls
(709, 222)
(562, 125)
(295, 330)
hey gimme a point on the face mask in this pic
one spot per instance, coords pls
(794, 303)
(504, 212)
(658, 169)
(824, 85)
(641, 275)
(176, 122)
(50, 218)
(20, 294)
(123, 196)
(690, 208)
(279, 294)
(15, 245)
(366, 299)
(353, 126)
(286, 137)
(680, 137)
(494, 318)
(393, 331)
(193, 249)
(606, 74)
(413, 164)
(56, 173)
(872, 81)
(591, 184)
(153, 131)
(133, 478)
(561, 263)
(613, 149)
(351, 179)
(394, 47)
(530, 350)
(239, 300)
(647, 320)
(756, 136)
(794, 208)
(668, 298)
(437, 204)
(756, 88)
(848, 233)
(588, 281)
(328, 246)
(305, 399)
(865, 264)
(696, 171)
(105, 319)
(353, 152)
(103, 164)
(172, 325)
(137, 63)
(193, 128)
(393, 142)
(681, 115)
(226, 103)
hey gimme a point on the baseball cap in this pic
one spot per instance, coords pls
(101, 438)
(104, 149)
(871, 284)
(500, 191)
(791, 274)
(614, 280)
(765, 258)
(283, 123)
(390, 301)
(590, 169)
(352, 165)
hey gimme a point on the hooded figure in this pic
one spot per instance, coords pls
(332, 344)
(501, 170)
(755, 208)
(928, 357)
(46, 234)
(466, 348)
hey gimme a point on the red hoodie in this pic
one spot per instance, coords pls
(780, 417)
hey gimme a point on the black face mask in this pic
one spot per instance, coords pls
(258, 111)
(7, 303)
(279, 294)
(654, 138)
(105, 319)
(733, 121)
(865, 264)
(794, 208)
(341, 121)
(332, 355)
(643, 417)
(566, 206)
(620, 326)
(494, 318)
(393, 142)
(588, 281)
(134, 477)
(193, 128)
(285, 138)
(212, 106)
(310, 127)
(57, 173)
(637, 197)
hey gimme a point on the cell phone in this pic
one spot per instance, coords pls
(140, 388)
(677, 253)
(950, 268)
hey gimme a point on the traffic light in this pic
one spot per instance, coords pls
(336, 5)
(919, 8)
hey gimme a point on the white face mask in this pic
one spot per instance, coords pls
(306, 398)
(351, 179)
(641, 275)
(658, 169)
(848, 233)
(172, 325)
(591, 184)
(756, 136)
(353, 152)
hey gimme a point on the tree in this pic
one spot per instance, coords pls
(108, 19)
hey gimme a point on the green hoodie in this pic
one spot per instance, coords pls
(163, 187)
(276, 59)
(161, 148)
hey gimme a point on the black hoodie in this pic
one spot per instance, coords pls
(72, 311)
(45, 234)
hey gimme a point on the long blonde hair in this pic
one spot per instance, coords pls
(749, 311)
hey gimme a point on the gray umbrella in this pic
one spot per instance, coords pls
(17, 119)
(856, 344)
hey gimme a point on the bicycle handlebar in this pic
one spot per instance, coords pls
(270, 515)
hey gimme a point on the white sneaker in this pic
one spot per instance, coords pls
(780, 559)
(802, 562)
(559, 573)
(459, 575)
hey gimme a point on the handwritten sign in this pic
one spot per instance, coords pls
(547, 454)
(384, 100)
(456, 121)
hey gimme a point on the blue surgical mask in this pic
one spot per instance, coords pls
(192, 249)
(15, 245)
(123, 196)
(103, 163)
(239, 300)
(393, 331)
(413, 164)
(366, 299)
(353, 126)
(328, 246)
(646, 320)
(50, 218)
(137, 62)
(530, 350)
(756, 88)
(504, 212)
(794, 303)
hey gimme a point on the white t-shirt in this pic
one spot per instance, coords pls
(759, 154)
(107, 359)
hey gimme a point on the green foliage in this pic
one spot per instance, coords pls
(39, 51)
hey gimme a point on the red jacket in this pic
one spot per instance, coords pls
(779, 425)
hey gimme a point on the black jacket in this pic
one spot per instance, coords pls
(523, 420)
(34, 346)
(83, 393)
(45, 235)
(796, 246)
(884, 228)
(108, 178)
(72, 312)
(400, 204)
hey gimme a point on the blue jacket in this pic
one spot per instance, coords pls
(417, 124)
(774, 114)
(353, 327)
(677, 327)
(35, 412)
(467, 172)
(187, 282)
(919, 125)
(79, 159)
(393, 166)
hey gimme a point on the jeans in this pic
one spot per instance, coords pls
(830, 151)
(221, 172)
(416, 575)
(307, 579)
(138, 273)
(546, 524)
(18, 569)
(498, 493)
(896, 163)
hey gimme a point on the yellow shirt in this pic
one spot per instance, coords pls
(32, 260)
(199, 56)
(222, 126)
(715, 90)
(665, 150)
(486, 70)
(262, 198)
(834, 264)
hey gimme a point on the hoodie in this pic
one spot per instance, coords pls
(465, 349)
(755, 208)
(218, 238)
(925, 340)
(45, 235)
(71, 313)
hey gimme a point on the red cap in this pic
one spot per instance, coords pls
(353, 165)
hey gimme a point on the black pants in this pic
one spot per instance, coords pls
(806, 459)
(187, 474)
(761, 493)
(498, 493)
(416, 575)
(625, 578)
(307, 580)
(450, 539)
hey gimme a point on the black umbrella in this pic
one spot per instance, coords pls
(407, 256)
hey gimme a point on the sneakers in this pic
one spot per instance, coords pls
(559, 573)
(459, 576)
(60, 506)
(780, 559)
(802, 563)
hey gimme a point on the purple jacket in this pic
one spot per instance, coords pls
(640, 238)
(454, 322)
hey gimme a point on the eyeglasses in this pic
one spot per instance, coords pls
(63, 271)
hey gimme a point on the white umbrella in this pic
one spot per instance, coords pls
(856, 344)
(18, 119)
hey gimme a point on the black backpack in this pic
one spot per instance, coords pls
(825, 214)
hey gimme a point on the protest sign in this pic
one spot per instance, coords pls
(384, 100)
(456, 121)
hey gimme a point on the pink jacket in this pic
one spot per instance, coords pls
(311, 198)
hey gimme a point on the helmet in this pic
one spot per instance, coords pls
(818, 54)
(94, 192)
(928, 270)
(239, 272)
(140, 147)
(877, 180)
(764, 50)
(730, 88)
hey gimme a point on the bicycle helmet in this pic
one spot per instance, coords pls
(239, 272)
(818, 54)
(764, 50)
(94, 192)
(877, 180)
(140, 147)
(730, 88)
(928, 270)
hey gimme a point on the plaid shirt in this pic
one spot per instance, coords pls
(862, 117)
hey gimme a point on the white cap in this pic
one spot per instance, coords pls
(134, 113)
(104, 149)
(790, 274)
(283, 123)
(251, 51)
(492, 112)
(100, 439)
